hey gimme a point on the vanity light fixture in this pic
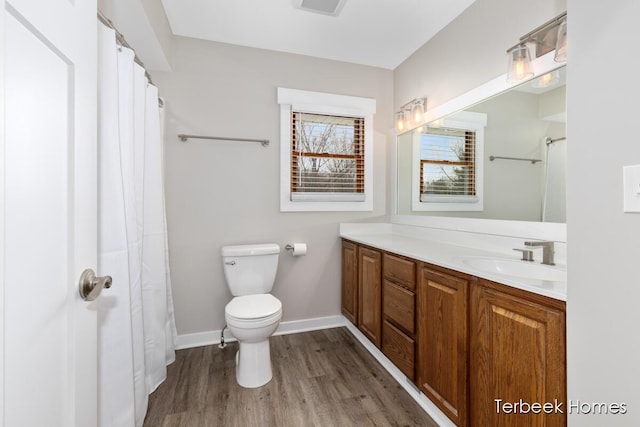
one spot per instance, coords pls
(519, 64)
(417, 111)
(401, 125)
(546, 80)
(547, 37)
(410, 114)
(561, 43)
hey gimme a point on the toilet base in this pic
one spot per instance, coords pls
(253, 364)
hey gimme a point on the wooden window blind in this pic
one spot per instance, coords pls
(327, 155)
(447, 163)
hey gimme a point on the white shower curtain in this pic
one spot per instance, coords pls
(136, 323)
(555, 183)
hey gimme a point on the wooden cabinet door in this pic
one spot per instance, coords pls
(442, 338)
(369, 293)
(517, 355)
(350, 281)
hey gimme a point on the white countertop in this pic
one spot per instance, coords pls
(452, 255)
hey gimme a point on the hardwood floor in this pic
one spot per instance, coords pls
(321, 378)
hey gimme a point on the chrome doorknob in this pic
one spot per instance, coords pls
(91, 285)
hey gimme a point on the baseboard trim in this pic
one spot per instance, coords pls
(427, 405)
(200, 339)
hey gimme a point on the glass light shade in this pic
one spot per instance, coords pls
(401, 125)
(561, 43)
(407, 118)
(519, 64)
(546, 80)
(417, 112)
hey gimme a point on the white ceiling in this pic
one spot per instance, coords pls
(380, 33)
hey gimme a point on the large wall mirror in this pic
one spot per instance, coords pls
(502, 158)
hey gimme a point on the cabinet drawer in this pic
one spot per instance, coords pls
(399, 348)
(400, 271)
(399, 306)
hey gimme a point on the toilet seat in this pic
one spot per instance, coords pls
(251, 310)
(253, 324)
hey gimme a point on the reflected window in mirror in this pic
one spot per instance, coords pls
(448, 164)
(520, 122)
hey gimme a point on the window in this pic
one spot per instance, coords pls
(325, 151)
(327, 155)
(448, 164)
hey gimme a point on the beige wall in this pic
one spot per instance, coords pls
(469, 51)
(603, 293)
(220, 193)
(602, 307)
(214, 84)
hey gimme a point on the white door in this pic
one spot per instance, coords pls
(48, 217)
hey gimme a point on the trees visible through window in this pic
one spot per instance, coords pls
(326, 151)
(327, 154)
(447, 162)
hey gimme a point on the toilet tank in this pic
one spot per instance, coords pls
(250, 269)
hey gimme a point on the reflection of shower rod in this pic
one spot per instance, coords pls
(551, 141)
(533, 161)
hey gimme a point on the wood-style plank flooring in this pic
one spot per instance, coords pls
(320, 378)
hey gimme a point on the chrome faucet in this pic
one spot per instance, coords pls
(548, 250)
(527, 255)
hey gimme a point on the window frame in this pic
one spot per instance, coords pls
(464, 120)
(357, 157)
(324, 104)
(471, 164)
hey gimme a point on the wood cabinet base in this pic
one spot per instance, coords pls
(443, 355)
(517, 355)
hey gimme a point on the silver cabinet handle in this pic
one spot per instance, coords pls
(91, 285)
(230, 262)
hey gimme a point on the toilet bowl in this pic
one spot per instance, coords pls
(252, 321)
(253, 315)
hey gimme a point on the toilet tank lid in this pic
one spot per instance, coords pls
(250, 250)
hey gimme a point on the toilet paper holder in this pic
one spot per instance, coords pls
(296, 249)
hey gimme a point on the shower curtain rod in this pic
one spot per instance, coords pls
(551, 141)
(123, 42)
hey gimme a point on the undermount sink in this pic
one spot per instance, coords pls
(516, 268)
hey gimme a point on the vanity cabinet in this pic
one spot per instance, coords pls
(349, 299)
(517, 354)
(463, 340)
(369, 294)
(398, 312)
(443, 340)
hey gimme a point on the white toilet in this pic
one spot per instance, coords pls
(253, 315)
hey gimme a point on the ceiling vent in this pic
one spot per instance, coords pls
(325, 7)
